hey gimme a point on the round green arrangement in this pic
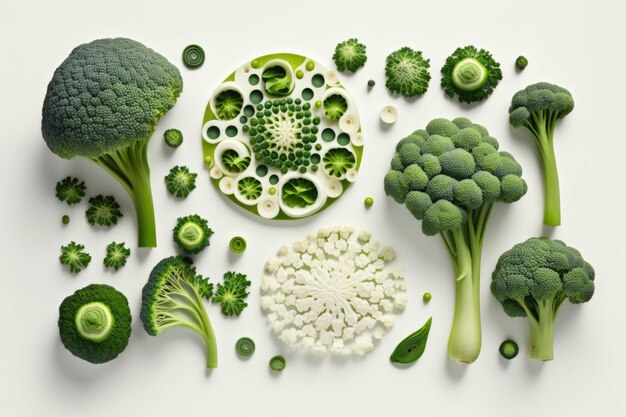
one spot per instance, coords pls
(282, 137)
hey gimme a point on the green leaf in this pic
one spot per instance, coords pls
(412, 347)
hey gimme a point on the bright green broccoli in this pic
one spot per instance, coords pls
(335, 106)
(533, 279)
(180, 181)
(228, 104)
(172, 297)
(71, 190)
(103, 210)
(73, 256)
(350, 55)
(470, 73)
(233, 162)
(192, 234)
(407, 72)
(299, 192)
(278, 81)
(538, 108)
(173, 138)
(232, 293)
(250, 188)
(95, 323)
(449, 176)
(521, 62)
(337, 161)
(103, 103)
(116, 255)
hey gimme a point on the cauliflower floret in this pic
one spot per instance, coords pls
(400, 300)
(388, 254)
(272, 264)
(289, 336)
(267, 302)
(300, 246)
(365, 236)
(283, 250)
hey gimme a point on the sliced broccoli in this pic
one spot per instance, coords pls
(172, 297)
(471, 74)
(350, 55)
(521, 62)
(538, 108)
(192, 234)
(234, 162)
(277, 81)
(337, 161)
(299, 192)
(205, 288)
(407, 72)
(449, 176)
(250, 188)
(71, 190)
(508, 349)
(95, 323)
(180, 181)
(103, 210)
(335, 106)
(173, 138)
(533, 279)
(228, 104)
(73, 256)
(116, 255)
(103, 103)
(232, 293)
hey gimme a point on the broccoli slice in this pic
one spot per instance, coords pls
(73, 256)
(335, 106)
(71, 190)
(192, 234)
(407, 72)
(173, 138)
(277, 81)
(337, 161)
(521, 62)
(350, 55)
(228, 104)
(508, 349)
(104, 211)
(180, 181)
(232, 293)
(234, 162)
(116, 255)
(250, 188)
(299, 192)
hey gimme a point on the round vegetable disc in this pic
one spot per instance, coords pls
(282, 137)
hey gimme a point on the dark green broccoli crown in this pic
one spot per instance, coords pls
(192, 234)
(449, 168)
(541, 269)
(95, 323)
(105, 96)
(350, 55)
(232, 293)
(538, 98)
(103, 210)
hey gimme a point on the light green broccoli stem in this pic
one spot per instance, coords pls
(130, 167)
(542, 331)
(207, 333)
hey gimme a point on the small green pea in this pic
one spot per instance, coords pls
(427, 297)
(65, 219)
(369, 202)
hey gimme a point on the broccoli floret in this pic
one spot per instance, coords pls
(508, 349)
(71, 190)
(95, 323)
(350, 55)
(449, 176)
(228, 104)
(232, 293)
(192, 234)
(521, 62)
(337, 162)
(73, 256)
(471, 74)
(407, 72)
(277, 81)
(533, 279)
(538, 108)
(103, 103)
(172, 297)
(234, 162)
(335, 106)
(250, 188)
(180, 181)
(173, 138)
(116, 255)
(103, 210)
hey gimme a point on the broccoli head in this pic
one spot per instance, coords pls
(95, 323)
(533, 279)
(350, 55)
(172, 297)
(407, 72)
(449, 176)
(538, 108)
(232, 293)
(103, 103)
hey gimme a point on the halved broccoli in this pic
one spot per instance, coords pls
(180, 181)
(407, 72)
(250, 188)
(73, 256)
(471, 74)
(172, 297)
(232, 293)
(71, 190)
(335, 106)
(299, 192)
(103, 103)
(533, 279)
(228, 104)
(508, 349)
(234, 162)
(350, 55)
(116, 255)
(103, 210)
(173, 138)
(337, 161)
(538, 108)
(95, 323)
(192, 234)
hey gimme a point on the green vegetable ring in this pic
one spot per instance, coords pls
(237, 244)
(245, 347)
(277, 363)
(193, 56)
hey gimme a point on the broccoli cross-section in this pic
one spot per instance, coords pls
(74, 257)
(232, 293)
(350, 55)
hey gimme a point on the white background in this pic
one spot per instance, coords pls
(578, 45)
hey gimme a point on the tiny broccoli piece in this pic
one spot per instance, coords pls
(65, 219)
(371, 83)
(509, 349)
(299, 192)
(180, 181)
(193, 56)
(71, 190)
(192, 234)
(95, 323)
(172, 297)
(521, 62)
(335, 106)
(173, 138)
(73, 256)
(350, 55)
(234, 162)
(103, 210)
(116, 255)
(471, 74)
(277, 81)
(250, 188)
(228, 104)
(337, 162)
(237, 244)
(232, 293)
(278, 363)
(407, 72)
(205, 288)
(245, 347)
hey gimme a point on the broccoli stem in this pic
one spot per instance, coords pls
(542, 331)
(208, 334)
